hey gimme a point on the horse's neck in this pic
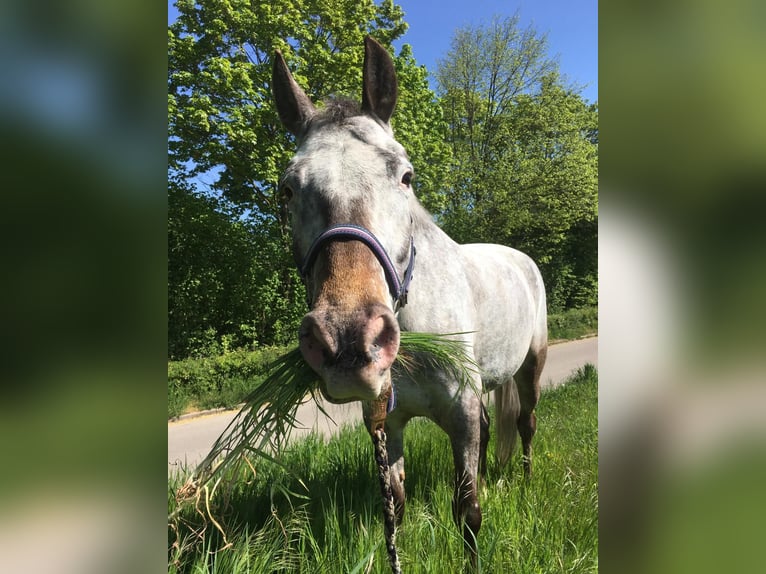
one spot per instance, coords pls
(439, 300)
(429, 237)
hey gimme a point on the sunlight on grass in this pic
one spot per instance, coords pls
(332, 520)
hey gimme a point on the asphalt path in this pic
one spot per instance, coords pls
(190, 438)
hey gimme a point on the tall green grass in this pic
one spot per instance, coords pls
(321, 510)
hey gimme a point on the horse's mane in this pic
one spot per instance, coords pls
(336, 109)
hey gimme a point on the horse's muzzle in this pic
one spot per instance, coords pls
(353, 354)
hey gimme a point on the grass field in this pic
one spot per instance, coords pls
(332, 520)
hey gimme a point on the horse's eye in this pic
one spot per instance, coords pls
(286, 193)
(407, 178)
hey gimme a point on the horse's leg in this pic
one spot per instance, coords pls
(483, 442)
(528, 384)
(463, 425)
(395, 446)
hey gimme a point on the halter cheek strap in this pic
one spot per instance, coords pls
(398, 288)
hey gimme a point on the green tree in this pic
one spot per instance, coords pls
(485, 69)
(525, 151)
(222, 278)
(420, 126)
(547, 196)
(223, 127)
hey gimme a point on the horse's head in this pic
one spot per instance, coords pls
(349, 172)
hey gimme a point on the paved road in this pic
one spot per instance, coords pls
(190, 439)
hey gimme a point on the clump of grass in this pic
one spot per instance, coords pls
(428, 352)
(264, 424)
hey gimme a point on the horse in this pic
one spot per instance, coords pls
(375, 263)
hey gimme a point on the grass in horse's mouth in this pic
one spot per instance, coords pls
(263, 425)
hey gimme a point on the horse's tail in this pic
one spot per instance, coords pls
(507, 408)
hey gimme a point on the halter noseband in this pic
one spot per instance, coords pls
(398, 288)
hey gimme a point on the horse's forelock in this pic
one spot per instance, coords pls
(337, 110)
(341, 112)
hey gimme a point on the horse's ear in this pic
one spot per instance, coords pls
(293, 105)
(379, 89)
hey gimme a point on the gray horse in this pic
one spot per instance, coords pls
(358, 234)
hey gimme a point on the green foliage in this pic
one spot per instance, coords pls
(220, 108)
(220, 381)
(226, 285)
(525, 151)
(420, 127)
(232, 273)
(573, 324)
(332, 520)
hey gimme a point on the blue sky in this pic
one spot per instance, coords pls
(571, 26)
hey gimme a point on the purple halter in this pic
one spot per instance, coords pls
(397, 288)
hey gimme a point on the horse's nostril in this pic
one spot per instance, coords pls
(315, 342)
(385, 338)
(371, 335)
(381, 339)
(319, 339)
